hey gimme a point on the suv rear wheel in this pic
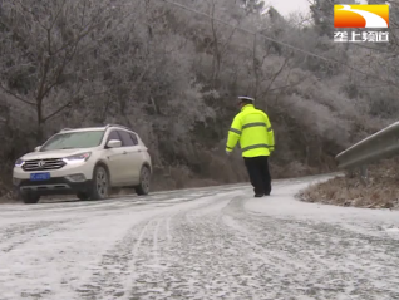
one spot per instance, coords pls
(100, 186)
(144, 187)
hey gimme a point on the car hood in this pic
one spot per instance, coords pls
(55, 153)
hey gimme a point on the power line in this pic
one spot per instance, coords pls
(329, 60)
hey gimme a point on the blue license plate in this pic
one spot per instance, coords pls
(39, 176)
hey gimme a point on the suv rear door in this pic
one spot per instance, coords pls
(137, 156)
(130, 168)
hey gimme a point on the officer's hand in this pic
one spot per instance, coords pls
(228, 153)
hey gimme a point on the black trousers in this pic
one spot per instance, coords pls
(259, 173)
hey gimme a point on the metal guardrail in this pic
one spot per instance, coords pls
(380, 145)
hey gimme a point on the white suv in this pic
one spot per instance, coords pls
(86, 162)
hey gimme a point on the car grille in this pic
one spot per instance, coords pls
(43, 164)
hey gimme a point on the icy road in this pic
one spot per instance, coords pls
(215, 243)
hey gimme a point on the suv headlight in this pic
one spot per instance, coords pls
(19, 162)
(77, 158)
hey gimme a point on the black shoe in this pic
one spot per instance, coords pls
(267, 194)
(258, 195)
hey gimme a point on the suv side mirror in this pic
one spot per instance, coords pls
(114, 144)
(37, 149)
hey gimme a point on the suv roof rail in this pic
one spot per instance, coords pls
(66, 129)
(117, 125)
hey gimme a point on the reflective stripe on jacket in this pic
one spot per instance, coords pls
(252, 128)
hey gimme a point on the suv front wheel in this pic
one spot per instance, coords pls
(144, 187)
(28, 198)
(83, 196)
(100, 186)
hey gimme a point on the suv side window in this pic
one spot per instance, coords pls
(126, 140)
(113, 135)
(133, 136)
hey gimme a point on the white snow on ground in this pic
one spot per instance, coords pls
(58, 248)
(361, 220)
(214, 243)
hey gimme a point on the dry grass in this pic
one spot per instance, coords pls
(382, 190)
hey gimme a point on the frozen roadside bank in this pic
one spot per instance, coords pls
(382, 190)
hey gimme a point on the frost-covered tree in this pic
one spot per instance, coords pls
(49, 50)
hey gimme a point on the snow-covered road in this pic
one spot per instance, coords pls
(215, 243)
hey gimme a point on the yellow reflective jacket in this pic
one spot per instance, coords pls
(252, 128)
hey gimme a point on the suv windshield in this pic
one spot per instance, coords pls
(71, 140)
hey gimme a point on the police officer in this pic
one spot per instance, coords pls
(252, 128)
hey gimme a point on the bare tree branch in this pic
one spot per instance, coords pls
(274, 77)
(16, 96)
(70, 104)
